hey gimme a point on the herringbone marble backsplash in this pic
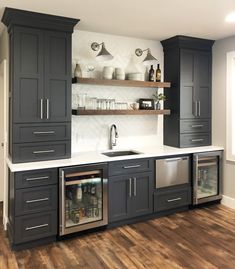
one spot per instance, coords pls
(92, 132)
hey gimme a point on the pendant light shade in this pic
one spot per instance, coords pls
(103, 54)
(149, 59)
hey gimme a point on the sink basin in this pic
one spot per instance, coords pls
(120, 153)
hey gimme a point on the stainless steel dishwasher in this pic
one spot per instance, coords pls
(172, 171)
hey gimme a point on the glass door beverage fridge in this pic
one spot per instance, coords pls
(207, 177)
(83, 198)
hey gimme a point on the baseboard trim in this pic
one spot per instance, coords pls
(228, 201)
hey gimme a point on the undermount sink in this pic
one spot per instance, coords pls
(120, 153)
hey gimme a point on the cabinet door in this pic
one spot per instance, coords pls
(187, 84)
(27, 71)
(142, 194)
(119, 198)
(57, 76)
(203, 83)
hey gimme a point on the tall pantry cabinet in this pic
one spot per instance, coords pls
(187, 64)
(40, 85)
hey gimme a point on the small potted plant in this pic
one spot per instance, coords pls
(158, 97)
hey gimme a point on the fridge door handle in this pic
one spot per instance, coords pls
(195, 179)
(62, 204)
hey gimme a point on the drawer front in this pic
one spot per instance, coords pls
(195, 126)
(34, 200)
(23, 133)
(32, 152)
(35, 178)
(164, 200)
(132, 166)
(35, 226)
(195, 140)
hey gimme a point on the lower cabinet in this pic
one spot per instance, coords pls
(130, 196)
(33, 205)
(172, 197)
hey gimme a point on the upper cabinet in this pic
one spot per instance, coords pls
(187, 64)
(40, 85)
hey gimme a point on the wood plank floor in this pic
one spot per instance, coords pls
(197, 239)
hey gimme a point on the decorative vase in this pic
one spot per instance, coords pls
(157, 105)
(77, 71)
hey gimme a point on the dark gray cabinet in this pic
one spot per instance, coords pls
(40, 81)
(130, 194)
(187, 64)
(33, 206)
(172, 198)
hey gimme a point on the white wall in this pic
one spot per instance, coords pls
(91, 132)
(220, 48)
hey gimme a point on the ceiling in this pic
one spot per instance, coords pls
(150, 19)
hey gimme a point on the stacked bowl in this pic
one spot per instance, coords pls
(119, 73)
(108, 72)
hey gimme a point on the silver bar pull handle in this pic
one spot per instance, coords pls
(130, 187)
(37, 200)
(36, 227)
(199, 108)
(197, 140)
(197, 126)
(131, 166)
(135, 186)
(43, 151)
(195, 108)
(36, 178)
(48, 107)
(41, 109)
(42, 133)
(174, 200)
(173, 159)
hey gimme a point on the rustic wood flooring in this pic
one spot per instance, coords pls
(197, 239)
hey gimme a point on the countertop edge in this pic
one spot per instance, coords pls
(97, 157)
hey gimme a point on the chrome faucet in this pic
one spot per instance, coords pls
(113, 136)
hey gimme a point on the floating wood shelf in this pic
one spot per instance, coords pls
(120, 112)
(123, 83)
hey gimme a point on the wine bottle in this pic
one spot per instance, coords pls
(158, 74)
(79, 192)
(151, 73)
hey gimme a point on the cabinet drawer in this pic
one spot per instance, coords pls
(195, 140)
(169, 199)
(132, 166)
(35, 178)
(195, 126)
(23, 133)
(35, 226)
(34, 200)
(32, 152)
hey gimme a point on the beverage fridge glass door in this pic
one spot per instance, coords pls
(207, 177)
(83, 200)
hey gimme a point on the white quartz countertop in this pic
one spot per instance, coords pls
(98, 157)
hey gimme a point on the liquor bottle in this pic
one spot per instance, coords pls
(158, 74)
(79, 192)
(151, 73)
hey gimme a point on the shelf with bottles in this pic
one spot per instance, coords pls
(121, 83)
